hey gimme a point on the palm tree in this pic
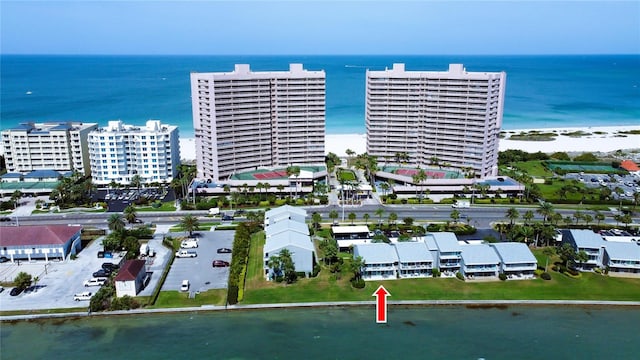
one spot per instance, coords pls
(130, 214)
(190, 223)
(587, 219)
(527, 233)
(333, 215)
(512, 215)
(578, 216)
(455, 215)
(365, 216)
(317, 219)
(379, 212)
(582, 257)
(136, 181)
(546, 210)
(352, 217)
(356, 266)
(528, 215)
(275, 264)
(384, 187)
(294, 171)
(392, 218)
(599, 217)
(549, 251)
(116, 223)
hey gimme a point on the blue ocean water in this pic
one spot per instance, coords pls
(443, 332)
(542, 91)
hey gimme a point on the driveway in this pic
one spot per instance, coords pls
(201, 274)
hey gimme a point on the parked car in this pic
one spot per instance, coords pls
(185, 285)
(3, 259)
(138, 221)
(1, 289)
(224, 251)
(102, 273)
(186, 253)
(189, 244)
(82, 296)
(16, 291)
(94, 282)
(110, 266)
(220, 263)
(4, 218)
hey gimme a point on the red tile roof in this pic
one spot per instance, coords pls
(36, 235)
(629, 165)
(130, 270)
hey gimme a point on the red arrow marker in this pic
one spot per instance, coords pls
(381, 304)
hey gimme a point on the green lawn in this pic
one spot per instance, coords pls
(326, 287)
(166, 206)
(533, 168)
(346, 175)
(174, 299)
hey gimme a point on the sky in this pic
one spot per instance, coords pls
(319, 27)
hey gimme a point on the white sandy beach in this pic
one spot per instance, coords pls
(605, 141)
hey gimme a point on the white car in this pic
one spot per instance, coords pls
(185, 285)
(186, 253)
(95, 282)
(82, 296)
(189, 244)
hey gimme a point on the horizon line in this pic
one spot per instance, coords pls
(354, 54)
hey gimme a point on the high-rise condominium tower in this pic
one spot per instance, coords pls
(244, 119)
(451, 117)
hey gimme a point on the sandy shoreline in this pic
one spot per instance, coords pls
(606, 140)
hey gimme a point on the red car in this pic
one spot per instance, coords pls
(220, 263)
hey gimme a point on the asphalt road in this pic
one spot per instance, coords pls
(201, 274)
(480, 216)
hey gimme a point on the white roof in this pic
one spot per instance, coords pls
(479, 254)
(287, 225)
(586, 239)
(623, 250)
(514, 253)
(285, 239)
(378, 253)
(413, 252)
(446, 241)
(350, 229)
(286, 208)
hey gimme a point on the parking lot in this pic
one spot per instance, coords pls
(58, 281)
(628, 185)
(199, 270)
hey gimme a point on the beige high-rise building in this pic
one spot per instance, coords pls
(60, 146)
(244, 120)
(453, 116)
